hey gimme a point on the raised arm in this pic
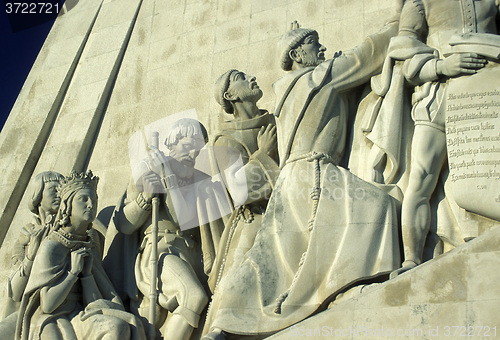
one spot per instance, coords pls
(356, 66)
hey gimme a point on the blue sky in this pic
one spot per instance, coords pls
(19, 47)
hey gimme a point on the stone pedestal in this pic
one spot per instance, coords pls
(446, 298)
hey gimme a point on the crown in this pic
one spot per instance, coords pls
(77, 181)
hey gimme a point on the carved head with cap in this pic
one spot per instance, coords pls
(299, 48)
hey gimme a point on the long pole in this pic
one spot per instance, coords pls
(154, 268)
(153, 297)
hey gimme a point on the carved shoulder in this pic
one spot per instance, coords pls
(52, 252)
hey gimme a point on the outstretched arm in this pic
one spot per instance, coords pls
(356, 66)
(425, 66)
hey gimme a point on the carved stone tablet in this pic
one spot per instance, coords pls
(473, 140)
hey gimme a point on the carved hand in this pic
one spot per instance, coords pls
(266, 139)
(460, 63)
(158, 162)
(152, 185)
(34, 244)
(78, 260)
(87, 266)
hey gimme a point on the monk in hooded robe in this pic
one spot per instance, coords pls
(324, 230)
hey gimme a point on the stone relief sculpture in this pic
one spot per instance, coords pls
(427, 31)
(303, 254)
(304, 231)
(182, 255)
(44, 204)
(246, 154)
(68, 294)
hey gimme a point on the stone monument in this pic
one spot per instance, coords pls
(111, 68)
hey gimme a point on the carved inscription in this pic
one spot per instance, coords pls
(473, 139)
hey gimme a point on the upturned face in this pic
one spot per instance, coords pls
(244, 87)
(50, 201)
(186, 150)
(84, 207)
(311, 52)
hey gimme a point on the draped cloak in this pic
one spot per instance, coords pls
(51, 265)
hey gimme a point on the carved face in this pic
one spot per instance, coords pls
(186, 150)
(243, 87)
(84, 207)
(50, 201)
(310, 52)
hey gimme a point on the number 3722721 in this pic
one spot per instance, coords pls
(470, 331)
(31, 8)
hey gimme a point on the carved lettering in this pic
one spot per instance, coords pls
(472, 138)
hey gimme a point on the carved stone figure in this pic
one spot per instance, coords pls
(185, 194)
(245, 153)
(427, 31)
(44, 204)
(68, 295)
(324, 228)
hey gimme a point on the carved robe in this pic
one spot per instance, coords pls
(324, 229)
(238, 143)
(19, 277)
(74, 318)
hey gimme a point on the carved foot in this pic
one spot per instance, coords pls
(407, 265)
(215, 334)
